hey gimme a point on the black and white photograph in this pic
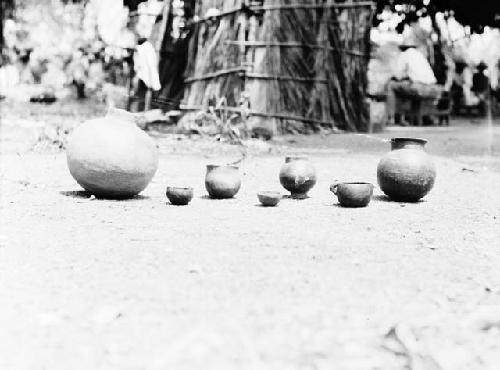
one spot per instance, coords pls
(249, 184)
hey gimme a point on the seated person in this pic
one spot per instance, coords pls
(413, 77)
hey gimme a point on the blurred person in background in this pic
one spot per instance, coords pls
(462, 94)
(96, 74)
(78, 70)
(24, 65)
(481, 86)
(457, 86)
(421, 36)
(413, 77)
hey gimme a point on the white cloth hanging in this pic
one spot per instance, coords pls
(146, 65)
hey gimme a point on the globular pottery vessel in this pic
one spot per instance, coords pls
(298, 176)
(353, 194)
(179, 196)
(111, 157)
(222, 182)
(269, 198)
(407, 173)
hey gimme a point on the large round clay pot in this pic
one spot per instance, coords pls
(111, 157)
(407, 173)
(222, 182)
(298, 176)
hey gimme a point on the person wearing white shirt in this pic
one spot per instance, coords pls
(413, 77)
(413, 65)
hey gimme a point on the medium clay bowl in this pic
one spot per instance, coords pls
(353, 194)
(269, 198)
(298, 176)
(179, 196)
(222, 182)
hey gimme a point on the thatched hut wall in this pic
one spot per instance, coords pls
(302, 64)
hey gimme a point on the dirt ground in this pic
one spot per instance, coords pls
(141, 284)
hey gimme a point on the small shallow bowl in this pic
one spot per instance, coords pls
(179, 196)
(269, 198)
(353, 194)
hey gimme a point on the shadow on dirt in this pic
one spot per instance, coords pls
(385, 198)
(79, 194)
(82, 194)
(207, 197)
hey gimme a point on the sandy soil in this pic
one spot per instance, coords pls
(141, 284)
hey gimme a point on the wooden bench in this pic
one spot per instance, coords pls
(414, 109)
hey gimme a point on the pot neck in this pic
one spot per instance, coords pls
(211, 167)
(292, 158)
(407, 143)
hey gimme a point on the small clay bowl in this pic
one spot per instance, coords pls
(269, 198)
(179, 196)
(353, 194)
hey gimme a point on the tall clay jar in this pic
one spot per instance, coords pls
(222, 182)
(407, 173)
(298, 176)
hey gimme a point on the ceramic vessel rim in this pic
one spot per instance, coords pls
(213, 166)
(409, 139)
(296, 157)
(178, 188)
(269, 193)
(353, 183)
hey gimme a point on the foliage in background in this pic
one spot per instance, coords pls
(472, 13)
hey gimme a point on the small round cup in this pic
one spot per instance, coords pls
(179, 196)
(269, 198)
(353, 194)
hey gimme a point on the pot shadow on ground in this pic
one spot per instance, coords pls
(386, 199)
(337, 205)
(289, 197)
(207, 197)
(82, 194)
